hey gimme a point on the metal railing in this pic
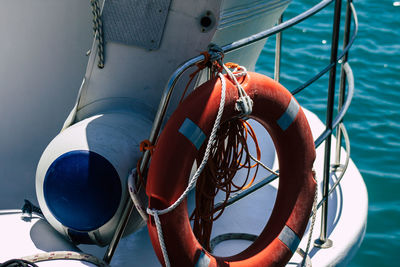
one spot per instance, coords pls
(331, 123)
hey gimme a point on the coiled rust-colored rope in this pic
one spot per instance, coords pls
(230, 154)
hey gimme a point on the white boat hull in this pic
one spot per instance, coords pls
(39, 84)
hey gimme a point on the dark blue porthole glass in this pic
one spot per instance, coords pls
(82, 190)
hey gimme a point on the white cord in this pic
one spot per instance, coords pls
(263, 165)
(192, 182)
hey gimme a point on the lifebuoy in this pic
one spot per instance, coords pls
(183, 140)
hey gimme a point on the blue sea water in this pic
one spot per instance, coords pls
(373, 120)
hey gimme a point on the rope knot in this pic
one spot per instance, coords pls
(216, 56)
(212, 59)
(143, 146)
(202, 64)
(215, 52)
(147, 145)
(244, 105)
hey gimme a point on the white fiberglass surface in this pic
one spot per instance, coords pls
(42, 63)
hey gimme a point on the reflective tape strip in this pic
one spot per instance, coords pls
(203, 261)
(289, 116)
(192, 132)
(289, 238)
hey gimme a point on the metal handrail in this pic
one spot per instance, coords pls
(339, 117)
(168, 90)
(272, 177)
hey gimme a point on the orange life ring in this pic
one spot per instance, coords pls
(183, 140)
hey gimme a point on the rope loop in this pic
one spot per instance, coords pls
(244, 104)
(134, 192)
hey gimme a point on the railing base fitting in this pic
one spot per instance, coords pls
(327, 243)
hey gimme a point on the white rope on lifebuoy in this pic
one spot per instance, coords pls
(192, 183)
